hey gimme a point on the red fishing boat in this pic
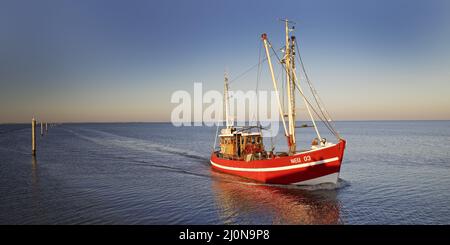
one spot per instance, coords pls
(242, 149)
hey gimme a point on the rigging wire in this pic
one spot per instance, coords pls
(258, 73)
(280, 74)
(215, 138)
(247, 71)
(316, 96)
(306, 99)
(257, 83)
(283, 99)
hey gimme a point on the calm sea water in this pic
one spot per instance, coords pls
(394, 172)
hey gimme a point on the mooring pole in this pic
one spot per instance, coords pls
(42, 129)
(46, 127)
(33, 136)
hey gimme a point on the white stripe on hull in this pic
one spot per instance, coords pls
(330, 178)
(302, 165)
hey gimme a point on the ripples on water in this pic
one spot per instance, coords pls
(393, 173)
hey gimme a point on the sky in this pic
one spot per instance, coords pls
(120, 61)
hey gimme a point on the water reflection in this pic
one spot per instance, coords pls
(35, 180)
(250, 203)
(34, 175)
(37, 210)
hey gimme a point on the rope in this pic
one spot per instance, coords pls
(247, 71)
(282, 88)
(259, 67)
(257, 82)
(306, 99)
(215, 138)
(316, 96)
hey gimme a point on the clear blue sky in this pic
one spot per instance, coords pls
(121, 60)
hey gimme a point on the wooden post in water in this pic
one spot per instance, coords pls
(33, 136)
(42, 129)
(46, 128)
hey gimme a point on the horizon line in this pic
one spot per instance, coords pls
(344, 120)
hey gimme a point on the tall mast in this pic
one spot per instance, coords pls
(292, 61)
(280, 108)
(226, 102)
(290, 88)
(293, 82)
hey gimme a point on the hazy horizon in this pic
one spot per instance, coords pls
(125, 122)
(120, 61)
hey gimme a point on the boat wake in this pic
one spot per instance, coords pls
(12, 128)
(108, 139)
(116, 141)
(173, 169)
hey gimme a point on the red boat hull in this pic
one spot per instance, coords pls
(306, 168)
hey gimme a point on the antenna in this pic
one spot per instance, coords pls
(286, 20)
